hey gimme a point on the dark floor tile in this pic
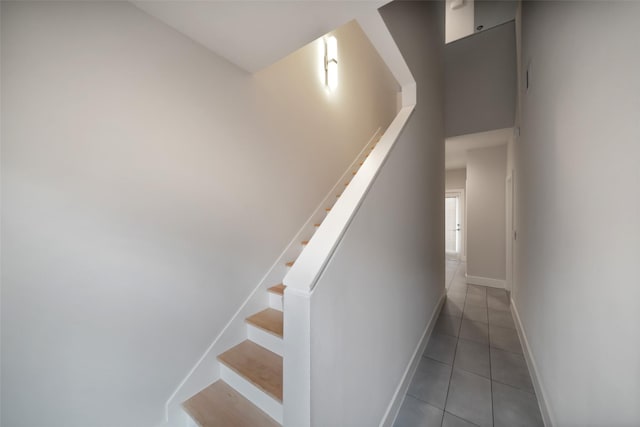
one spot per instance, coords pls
(504, 339)
(476, 300)
(497, 292)
(458, 285)
(416, 413)
(441, 348)
(457, 298)
(431, 382)
(473, 357)
(498, 302)
(452, 307)
(477, 314)
(501, 318)
(474, 331)
(476, 290)
(515, 408)
(447, 325)
(510, 368)
(470, 398)
(453, 421)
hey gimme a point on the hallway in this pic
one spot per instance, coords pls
(472, 371)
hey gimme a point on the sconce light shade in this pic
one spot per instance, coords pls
(456, 4)
(331, 62)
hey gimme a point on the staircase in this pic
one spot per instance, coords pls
(249, 391)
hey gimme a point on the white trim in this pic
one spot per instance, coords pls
(380, 37)
(533, 369)
(486, 281)
(314, 258)
(401, 391)
(509, 200)
(296, 378)
(262, 400)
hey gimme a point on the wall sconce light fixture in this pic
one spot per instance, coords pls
(331, 62)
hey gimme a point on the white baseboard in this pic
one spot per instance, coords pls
(533, 369)
(398, 397)
(486, 281)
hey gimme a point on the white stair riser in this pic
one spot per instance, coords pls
(275, 301)
(262, 400)
(265, 339)
(188, 421)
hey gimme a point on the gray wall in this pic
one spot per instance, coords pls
(576, 288)
(455, 179)
(147, 187)
(480, 81)
(486, 173)
(391, 258)
(490, 13)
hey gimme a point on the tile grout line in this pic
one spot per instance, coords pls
(514, 387)
(454, 353)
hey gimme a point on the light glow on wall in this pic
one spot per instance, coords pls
(331, 62)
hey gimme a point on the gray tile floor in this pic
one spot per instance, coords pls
(473, 372)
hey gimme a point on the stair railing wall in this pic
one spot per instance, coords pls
(309, 266)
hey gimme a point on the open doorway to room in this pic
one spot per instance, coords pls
(478, 206)
(454, 223)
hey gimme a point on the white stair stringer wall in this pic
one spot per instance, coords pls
(207, 370)
(364, 277)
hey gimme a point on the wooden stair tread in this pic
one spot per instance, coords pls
(257, 365)
(305, 242)
(220, 405)
(269, 319)
(290, 264)
(277, 289)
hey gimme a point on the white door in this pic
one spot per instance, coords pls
(452, 235)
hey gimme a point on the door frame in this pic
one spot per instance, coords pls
(510, 229)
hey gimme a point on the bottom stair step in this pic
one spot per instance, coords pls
(220, 405)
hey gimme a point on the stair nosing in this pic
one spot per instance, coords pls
(251, 322)
(233, 368)
(276, 292)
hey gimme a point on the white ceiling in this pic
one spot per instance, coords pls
(456, 147)
(255, 34)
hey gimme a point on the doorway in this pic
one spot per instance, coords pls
(454, 224)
